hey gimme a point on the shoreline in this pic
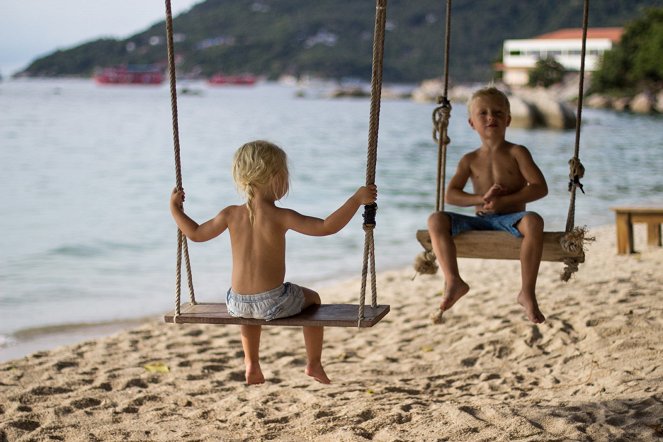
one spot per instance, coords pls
(23, 343)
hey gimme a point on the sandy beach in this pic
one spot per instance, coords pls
(592, 371)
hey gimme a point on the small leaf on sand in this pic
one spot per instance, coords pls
(156, 367)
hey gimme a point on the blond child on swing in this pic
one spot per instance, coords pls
(257, 236)
(504, 179)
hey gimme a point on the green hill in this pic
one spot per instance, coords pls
(333, 38)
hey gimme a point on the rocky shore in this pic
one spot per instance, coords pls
(553, 107)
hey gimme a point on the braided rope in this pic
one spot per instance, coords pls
(441, 116)
(178, 276)
(182, 247)
(575, 237)
(425, 261)
(576, 169)
(371, 160)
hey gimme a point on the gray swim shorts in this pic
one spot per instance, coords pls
(285, 300)
(505, 222)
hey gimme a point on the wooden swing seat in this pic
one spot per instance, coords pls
(502, 245)
(325, 315)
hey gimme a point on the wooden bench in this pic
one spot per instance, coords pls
(624, 219)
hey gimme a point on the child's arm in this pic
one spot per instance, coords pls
(455, 193)
(198, 233)
(535, 189)
(494, 191)
(309, 225)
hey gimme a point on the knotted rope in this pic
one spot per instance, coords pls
(182, 245)
(574, 239)
(371, 160)
(425, 262)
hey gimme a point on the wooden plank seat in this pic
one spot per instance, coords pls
(327, 315)
(625, 217)
(502, 245)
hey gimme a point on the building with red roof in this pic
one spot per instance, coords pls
(564, 45)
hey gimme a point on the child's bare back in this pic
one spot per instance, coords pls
(257, 236)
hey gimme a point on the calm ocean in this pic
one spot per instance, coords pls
(86, 173)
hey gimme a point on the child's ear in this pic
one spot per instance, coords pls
(508, 120)
(469, 120)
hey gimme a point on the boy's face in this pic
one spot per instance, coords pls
(489, 116)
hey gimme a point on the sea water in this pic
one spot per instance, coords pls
(86, 173)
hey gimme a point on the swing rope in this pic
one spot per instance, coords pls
(575, 237)
(371, 160)
(441, 115)
(425, 262)
(182, 244)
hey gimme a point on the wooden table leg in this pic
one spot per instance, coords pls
(653, 235)
(624, 233)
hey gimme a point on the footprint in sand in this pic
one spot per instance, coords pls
(87, 402)
(136, 382)
(24, 424)
(61, 365)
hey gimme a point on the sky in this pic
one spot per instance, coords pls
(33, 28)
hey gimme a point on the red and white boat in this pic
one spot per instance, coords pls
(242, 80)
(147, 75)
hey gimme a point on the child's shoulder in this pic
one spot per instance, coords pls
(471, 156)
(516, 149)
(232, 210)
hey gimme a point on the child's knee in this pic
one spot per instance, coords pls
(531, 223)
(439, 222)
(310, 297)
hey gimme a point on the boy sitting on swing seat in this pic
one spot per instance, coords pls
(504, 178)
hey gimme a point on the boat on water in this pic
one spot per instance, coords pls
(147, 75)
(242, 80)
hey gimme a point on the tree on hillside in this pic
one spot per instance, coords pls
(636, 63)
(546, 72)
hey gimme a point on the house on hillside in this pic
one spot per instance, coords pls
(565, 45)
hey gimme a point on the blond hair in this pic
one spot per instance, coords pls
(260, 164)
(489, 92)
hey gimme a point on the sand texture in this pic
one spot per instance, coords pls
(592, 372)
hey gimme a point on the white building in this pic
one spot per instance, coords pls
(565, 45)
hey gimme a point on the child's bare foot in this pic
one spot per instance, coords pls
(531, 307)
(254, 374)
(318, 373)
(453, 291)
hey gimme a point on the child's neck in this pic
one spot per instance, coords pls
(493, 144)
(263, 197)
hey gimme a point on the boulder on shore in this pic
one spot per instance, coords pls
(523, 114)
(547, 110)
(643, 103)
(598, 101)
(530, 108)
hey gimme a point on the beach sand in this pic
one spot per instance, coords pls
(592, 371)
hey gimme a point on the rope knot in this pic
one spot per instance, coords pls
(573, 242)
(425, 264)
(576, 172)
(441, 115)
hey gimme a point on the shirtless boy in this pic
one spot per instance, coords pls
(504, 179)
